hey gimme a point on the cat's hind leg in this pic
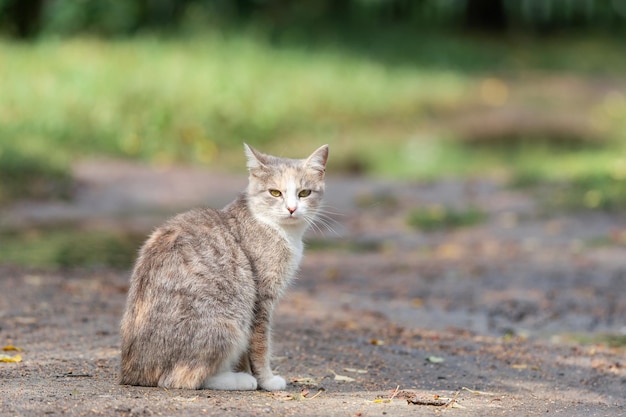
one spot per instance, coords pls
(232, 381)
(183, 376)
(244, 364)
(241, 379)
(275, 383)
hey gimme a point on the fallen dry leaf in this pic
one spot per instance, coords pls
(342, 377)
(298, 397)
(11, 348)
(450, 251)
(11, 359)
(417, 302)
(355, 371)
(283, 396)
(435, 402)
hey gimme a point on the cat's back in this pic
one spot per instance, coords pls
(192, 228)
(178, 232)
(196, 243)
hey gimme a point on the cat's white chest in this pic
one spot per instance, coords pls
(296, 247)
(293, 241)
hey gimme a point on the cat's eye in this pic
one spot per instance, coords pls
(304, 193)
(275, 193)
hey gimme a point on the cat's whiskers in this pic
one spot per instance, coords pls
(314, 227)
(324, 208)
(322, 218)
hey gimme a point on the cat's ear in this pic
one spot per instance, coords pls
(256, 160)
(318, 159)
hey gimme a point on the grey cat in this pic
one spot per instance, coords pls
(205, 284)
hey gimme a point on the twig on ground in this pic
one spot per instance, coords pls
(452, 403)
(437, 401)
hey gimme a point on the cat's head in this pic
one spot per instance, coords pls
(286, 192)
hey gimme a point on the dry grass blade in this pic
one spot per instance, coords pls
(395, 393)
(185, 399)
(355, 370)
(476, 392)
(452, 403)
(319, 391)
(342, 377)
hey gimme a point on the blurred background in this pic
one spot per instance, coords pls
(530, 94)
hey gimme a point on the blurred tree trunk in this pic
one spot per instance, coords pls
(25, 17)
(400, 10)
(486, 15)
(340, 9)
(159, 13)
(245, 8)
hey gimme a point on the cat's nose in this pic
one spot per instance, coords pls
(292, 209)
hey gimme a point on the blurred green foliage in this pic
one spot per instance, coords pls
(436, 217)
(373, 78)
(68, 247)
(385, 111)
(593, 191)
(184, 100)
(27, 18)
(400, 88)
(31, 175)
(615, 341)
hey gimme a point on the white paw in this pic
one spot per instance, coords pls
(231, 381)
(245, 382)
(275, 383)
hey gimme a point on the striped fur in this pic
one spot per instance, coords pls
(206, 282)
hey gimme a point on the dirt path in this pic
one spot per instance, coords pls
(481, 321)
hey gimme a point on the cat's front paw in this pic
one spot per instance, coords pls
(275, 383)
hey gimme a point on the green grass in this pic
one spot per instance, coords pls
(593, 179)
(436, 218)
(68, 247)
(183, 100)
(31, 175)
(615, 341)
(387, 102)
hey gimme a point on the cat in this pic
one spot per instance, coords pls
(204, 287)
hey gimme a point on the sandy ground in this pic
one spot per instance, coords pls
(384, 319)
